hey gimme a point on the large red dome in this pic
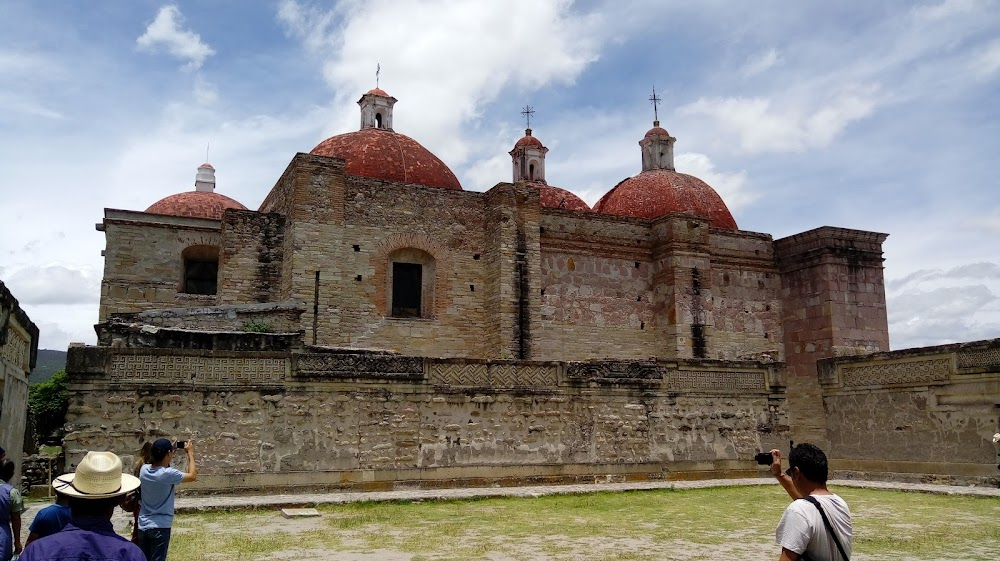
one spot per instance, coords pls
(554, 197)
(195, 204)
(385, 154)
(653, 193)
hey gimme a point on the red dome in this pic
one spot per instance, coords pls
(388, 155)
(378, 91)
(657, 131)
(653, 193)
(554, 197)
(195, 204)
(528, 140)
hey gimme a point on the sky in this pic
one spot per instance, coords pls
(867, 114)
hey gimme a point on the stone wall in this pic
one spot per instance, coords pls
(143, 263)
(277, 317)
(929, 411)
(18, 352)
(332, 419)
(251, 257)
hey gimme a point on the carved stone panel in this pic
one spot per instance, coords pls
(980, 358)
(694, 380)
(381, 367)
(914, 372)
(615, 372)
(475, 374)
(197, 369)
(496, 375)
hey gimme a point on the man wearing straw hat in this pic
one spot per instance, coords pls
(94, 491)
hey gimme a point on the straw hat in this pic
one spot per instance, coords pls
(99, 476)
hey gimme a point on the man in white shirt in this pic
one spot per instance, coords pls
(801, 532)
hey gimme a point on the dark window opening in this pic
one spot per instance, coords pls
(698, 347)
(378, 120)
(201, 276)
(406, 290)
(531, 172)
(357, 247)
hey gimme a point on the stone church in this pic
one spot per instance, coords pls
(375, 322)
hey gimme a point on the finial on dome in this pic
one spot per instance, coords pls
(655, 100)
(528, 111)
(527, 132)
(204, 180)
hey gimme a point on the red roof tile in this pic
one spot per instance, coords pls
(195, 204)
(554, 197)
(653, 193)
(388, 155)
(378, 91)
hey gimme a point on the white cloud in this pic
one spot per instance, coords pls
(986, 63)
(478, 51)
(54, 284)
(165, 33)
(760, 63)
(988, 222)
(767, 125)
(945, 9)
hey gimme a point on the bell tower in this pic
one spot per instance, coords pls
(376, 110)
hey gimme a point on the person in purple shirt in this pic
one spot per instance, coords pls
(94, 491)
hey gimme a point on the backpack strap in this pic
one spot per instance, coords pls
(829, 528)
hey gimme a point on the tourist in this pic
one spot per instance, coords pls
(156, 514)
(11, 507)
(132, 502)
(818, 523)
(94, 491)
(50, 519)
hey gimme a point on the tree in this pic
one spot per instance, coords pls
(48, 402)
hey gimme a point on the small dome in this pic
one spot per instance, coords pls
(378, 91)
(554, 197)
(654, 193)
(195, 204)
(528, 140)
(656, 131)
(388, 155)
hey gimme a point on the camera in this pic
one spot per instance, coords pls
(764, 458)
(181, 444)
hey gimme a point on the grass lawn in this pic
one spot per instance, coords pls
(732, 523)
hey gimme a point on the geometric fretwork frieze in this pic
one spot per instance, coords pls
(197, 369)
(981, 358)
(680, 380)
(893, 373)
(494, 375)
(16, 349)
(340, 366)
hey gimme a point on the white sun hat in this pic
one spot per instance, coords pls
(99, 476)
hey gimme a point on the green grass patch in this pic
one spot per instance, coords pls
(729, 522)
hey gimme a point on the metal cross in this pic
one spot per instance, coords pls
(655, 100)
(528, 111)
(378, 68)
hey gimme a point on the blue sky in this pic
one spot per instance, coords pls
(880, 116)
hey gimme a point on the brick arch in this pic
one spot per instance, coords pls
(442, 268)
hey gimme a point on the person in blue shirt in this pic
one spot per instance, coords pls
(94, 491)
(11, 506)
(50, 519)
(156, 495)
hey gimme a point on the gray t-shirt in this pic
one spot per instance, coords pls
(801, 528)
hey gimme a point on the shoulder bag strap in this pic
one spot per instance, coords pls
(829, 528)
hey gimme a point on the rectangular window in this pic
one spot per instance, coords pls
(200, 277)
(406, 293)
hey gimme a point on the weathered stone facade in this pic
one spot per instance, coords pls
(18, 352)
(263, 418)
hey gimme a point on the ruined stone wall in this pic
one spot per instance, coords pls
(278, 317)
(18, 352)
(596, 290)
(746, 297)
(930, 411)
(251, 257)
(143, 263)
(281, 200)
(262, 419)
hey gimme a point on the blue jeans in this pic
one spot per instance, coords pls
(154, 543)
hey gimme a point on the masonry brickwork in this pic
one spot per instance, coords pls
(18, 353)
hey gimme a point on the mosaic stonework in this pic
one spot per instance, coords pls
(688, 380)
(609, 372)
(324, 365)
(896, 373)
(16, 350)
(495, 375)
(460, 374)
(195, 369)
(981, 358)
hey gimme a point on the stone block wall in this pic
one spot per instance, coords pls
(143, 263)
(928, 411)
(251, 257)
(261, 419)
(278, 317)
(18, 353)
